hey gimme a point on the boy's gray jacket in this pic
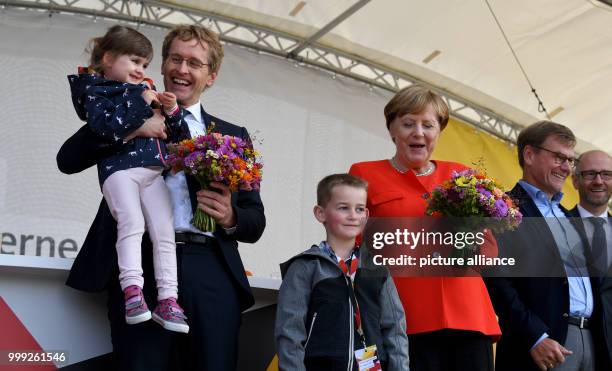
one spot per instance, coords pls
(315, 318)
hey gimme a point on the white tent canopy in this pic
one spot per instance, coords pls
(564, 46)
(454, 46)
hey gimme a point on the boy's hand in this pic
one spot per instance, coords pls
(149, 96)
(167, 100)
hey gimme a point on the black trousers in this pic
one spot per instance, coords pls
(327, 364)
(207, 293)
(450, 350)
(331, 364)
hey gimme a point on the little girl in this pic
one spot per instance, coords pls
(114, 97)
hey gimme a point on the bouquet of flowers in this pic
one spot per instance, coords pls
(216, 158)
(469, 193)
(479, 201)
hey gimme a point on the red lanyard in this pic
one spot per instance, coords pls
(349, 272)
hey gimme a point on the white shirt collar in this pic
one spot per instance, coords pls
(584, 213)
(196, 110)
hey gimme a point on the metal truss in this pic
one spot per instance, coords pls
(302, 51)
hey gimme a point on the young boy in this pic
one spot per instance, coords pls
(335, 312)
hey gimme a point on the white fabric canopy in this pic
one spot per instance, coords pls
(564, 46)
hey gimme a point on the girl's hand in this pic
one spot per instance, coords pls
(150, 96)
(167, 100)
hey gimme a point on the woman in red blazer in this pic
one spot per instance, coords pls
(451, 324)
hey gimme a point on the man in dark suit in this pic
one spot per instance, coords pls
(544, 309)
(213, 288)
(593, 179)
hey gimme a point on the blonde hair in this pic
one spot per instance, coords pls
(415, 99)
(203, 35)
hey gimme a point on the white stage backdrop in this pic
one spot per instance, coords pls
(310, 125)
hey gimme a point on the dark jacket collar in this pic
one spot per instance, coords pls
(210, 119)
(574, 213)
(526, 204)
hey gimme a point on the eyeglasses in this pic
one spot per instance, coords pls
(560, 158)
(592, 174)
(192, 63)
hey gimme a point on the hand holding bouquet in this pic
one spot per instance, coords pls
(216, 158)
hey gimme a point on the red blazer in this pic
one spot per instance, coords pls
(430, 303)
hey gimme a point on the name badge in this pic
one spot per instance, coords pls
(367, 359)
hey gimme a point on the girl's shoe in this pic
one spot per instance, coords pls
(136, 309)
(170, 315)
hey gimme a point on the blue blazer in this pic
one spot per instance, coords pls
(96, 263)
(528, 307)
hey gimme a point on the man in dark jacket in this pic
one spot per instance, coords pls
(545, 308)
(593, 179)
(213, 288)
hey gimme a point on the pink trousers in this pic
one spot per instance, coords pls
(138, 197)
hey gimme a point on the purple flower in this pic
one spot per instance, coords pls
(453, 196)
(461, 193)
(501, 209)
(484, 192)
(226, 150)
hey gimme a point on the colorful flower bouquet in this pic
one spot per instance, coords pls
(216, 158)
(475, 201)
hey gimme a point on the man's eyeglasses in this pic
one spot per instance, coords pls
(592, 174)
(192, 63)
(560, 158)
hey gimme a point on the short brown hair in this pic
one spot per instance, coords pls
(415, 99)
(536, 134)
(119, 40)
(327, 184)
(203, 35)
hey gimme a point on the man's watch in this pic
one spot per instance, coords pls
(230, 230)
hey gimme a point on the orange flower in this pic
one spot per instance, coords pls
(189, 144)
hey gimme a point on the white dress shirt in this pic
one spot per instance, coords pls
(177, 183)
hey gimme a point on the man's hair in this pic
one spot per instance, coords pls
(118, 40)
(536, 134)
(415, 99)
(203, 35)
(327, 184)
